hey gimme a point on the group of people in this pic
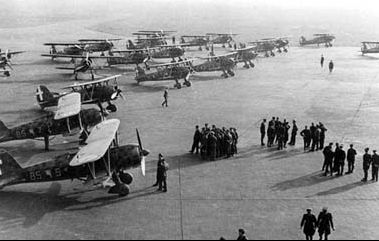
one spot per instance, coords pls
(331, 64)
(324, 223)
(278, 132)
(213, 143)
(314, 137)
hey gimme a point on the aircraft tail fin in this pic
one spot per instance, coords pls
(44, 95)
(10, 170)
(4, 131)
(131, 45)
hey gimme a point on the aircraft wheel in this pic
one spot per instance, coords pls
(188, 83)
(224, 75)
(252, 65)
(7, 73)
(231, 73)
(330, 45)
(123, 190)
(126, 178)
(111, 108)
(286, 50)
(178, 86)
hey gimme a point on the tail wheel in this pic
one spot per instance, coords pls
(126, 178)
(246, 66)
(111, 108)
(188, 83)
(231, 73)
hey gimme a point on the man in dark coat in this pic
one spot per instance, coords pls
(263, 131)
(322, 135)
(196, 141)
(306, 134)
(160, 157)
(286, 135)
(328, 159)
(366, 164)
(315, 139)
(351, 153)
(322, 61)
(375, 166)
(309, 223)
(331, 66)
(325, 223)
(293, 133)
(312, 129)
(162, 174)
(241, 234)
(340, 156)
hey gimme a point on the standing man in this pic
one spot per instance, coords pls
(366, 164)
(322, 135)
(340, 156)
(322, 60)
(196, 141)
(375, 166)
(165, 96)
(293, 133)
(263, 132)
(331, 66)
(286, 135)
(309, 223)
(324, 223)
(160, 157)
(162, 173)
(328, 161)
(351, 153)
(312, 129)
(306, 134)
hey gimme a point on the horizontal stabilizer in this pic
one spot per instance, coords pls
(10, 170)
(4, 131)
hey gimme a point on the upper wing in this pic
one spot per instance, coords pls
(98, 142)
(99, 40)
(61, 44)
(171, 64)
(79, 56)
(68, 105)
(92, 82)
(221, 56)
(12, 53)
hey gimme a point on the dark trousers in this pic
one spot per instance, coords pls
(195, 145)
(308, 237)
(328, 167)
(165, 102)
(322, 141)
(262, 138)
(351, 166)
(315, 144)
(341, 168)
(293, 139)
(163, 183)
(365, 171)
(374, 173)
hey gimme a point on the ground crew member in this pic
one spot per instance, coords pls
(324, 223)
(351, 153)
(160, 157)
(306, 134)
(241, 234)
(340, 157)
(165, 96)
(322, 61)
(313, 128)
(309, 223)
(375, 166)
(328, 159)
(331, 66)
(196, 141)
(322, 135)
(285, 136)
(293, 133)
(366, 164)
(162, 173)
(263, 132)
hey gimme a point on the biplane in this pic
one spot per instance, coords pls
(246, 56)
(224, 63)
(86, 63)
(318, 39)
(130, 56)
(266, 46)
(98, 45)
(94, 92)
(281, 44)
(156, 33)
(169, 71)
(6, 63)
(195, 41)
(101, 161)
(222, 38)
(370, 47)
(69, 119)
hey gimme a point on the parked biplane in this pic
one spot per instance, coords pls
(246, 56)
(169, 71)
(222, 38)
(224, 63)
(195, 41)
(281, 44)
(266, 46)
(6, 63)
(94, 92)
(86, 63)
(129, 56)
(101, 161)
(157, 33)
(318, 39)
(68, 119)
(370, 47)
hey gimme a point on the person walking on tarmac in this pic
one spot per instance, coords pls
(331, 66)
(366, 164)
(322, 60)
(309, 223)
(165, 96)
(263, 132)
(162, 174)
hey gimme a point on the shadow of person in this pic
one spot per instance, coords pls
(340, 189)
(304, 181)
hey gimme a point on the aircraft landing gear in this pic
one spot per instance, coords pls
(246, 66)
(231, 73)
(279, 50)
(285, 50)
(7, 73)
(111, 108)
(187, 83)
(252, 65)
(126, 178)
(120, 188)
(272, 54)
(224, 74)
(177, 85)
(200, 48)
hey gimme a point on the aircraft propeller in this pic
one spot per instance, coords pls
(143, 153)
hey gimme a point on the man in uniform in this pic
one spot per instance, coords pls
(286, 135)
(322, 61)
(196, 141)
(351, 153)
(328, 159)
(263, 132)
(312, 129)
(213, 146)
(241, 234)
(322, 135)
(375, 166)
(331, 66)
(306, 134)
(162, 173)
(160, 157)
(165, 96)
(293, 133)
(324, 223)
(280, 135)
(366, 164)
(309, 223)
(340, 157)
